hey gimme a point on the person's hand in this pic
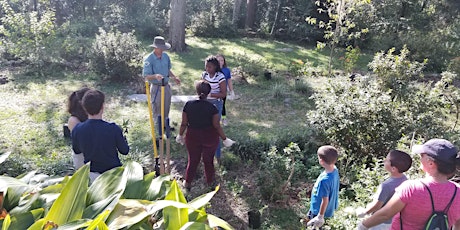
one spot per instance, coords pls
(361, 226)
(318, 221)
(361, 212)
(180, 139)
(231, 95)
(228, 142)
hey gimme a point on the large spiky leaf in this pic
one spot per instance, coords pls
(105, 192)
(203, 200)
(106, 184)
(25, 220)
(195, 226)
(175, 217)
(158, 188)
(99, 223)
(128, 212)
(15, 189)
(6, 222)
(70, 204)
(135, 185)
(215, 222)
(76, 225)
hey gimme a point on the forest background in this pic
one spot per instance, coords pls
(365, 76)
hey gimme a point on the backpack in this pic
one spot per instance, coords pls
(438, 219)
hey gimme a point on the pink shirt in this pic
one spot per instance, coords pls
(418, 205)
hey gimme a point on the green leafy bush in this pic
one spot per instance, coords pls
(396, 71)
(366, 122)
(28, 36)
(116, 55)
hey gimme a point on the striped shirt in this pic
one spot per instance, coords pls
(214, 81)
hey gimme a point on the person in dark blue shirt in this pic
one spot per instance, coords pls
(98, 140)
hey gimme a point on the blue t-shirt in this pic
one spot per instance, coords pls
(100, 142)
(326, 185)
(155, 65)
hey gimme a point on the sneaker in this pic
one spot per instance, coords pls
(224, 122)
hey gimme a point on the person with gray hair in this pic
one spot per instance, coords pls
(157, 69)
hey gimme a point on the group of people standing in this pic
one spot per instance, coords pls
(200, 128)
(399, 203)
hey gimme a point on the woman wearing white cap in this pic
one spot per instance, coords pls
(411, 204)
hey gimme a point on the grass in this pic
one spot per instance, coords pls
(34, 111)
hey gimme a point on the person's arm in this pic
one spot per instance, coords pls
(456, 225)
(72, 122)
(122, 143)
(324, 203)
(183, 124)
(75, 146)
(393, 206)
(373, 207)
(216, 125)
(230, 84)
(155, 76)
(174, 77)
(223, 90)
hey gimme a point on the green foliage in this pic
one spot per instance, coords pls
(27, 35)
(250, 65)
(339, 26)
(116, 55)
(351, 58)
(276, 171)
(454, 66)
(365, 121)
(396, 71)
(119, 199)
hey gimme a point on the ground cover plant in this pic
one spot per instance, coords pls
(278, 124)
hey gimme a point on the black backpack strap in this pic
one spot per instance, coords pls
(451, 200)
(431, 196)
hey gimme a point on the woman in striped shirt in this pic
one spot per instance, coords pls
(216, 79)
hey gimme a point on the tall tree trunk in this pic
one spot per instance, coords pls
(251, 13)
(236, 13)
(177, 25)
(277, 17)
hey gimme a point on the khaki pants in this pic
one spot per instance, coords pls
(155, 94)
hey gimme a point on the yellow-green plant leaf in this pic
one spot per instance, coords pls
(70, 204)
(6, 222)
(195, 226)
(38, 225)
(27, 203)
(106, 184)
(99, 223)
(159, 187)
(14, 195)
(203, 200)
(175, 218)
(136, 186)
(25, 220)
(128, 212)
(215, 221)
(76, 225)
(105, 192)
(198, 215)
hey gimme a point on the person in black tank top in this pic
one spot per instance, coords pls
(200, 121)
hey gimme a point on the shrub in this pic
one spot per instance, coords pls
(116, 55)
(366, 122)
(28, 36)
(277, 171)
(396, 71)
(454, 66)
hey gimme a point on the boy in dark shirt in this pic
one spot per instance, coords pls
(98, 140)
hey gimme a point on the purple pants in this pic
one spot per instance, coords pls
(201, 143)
